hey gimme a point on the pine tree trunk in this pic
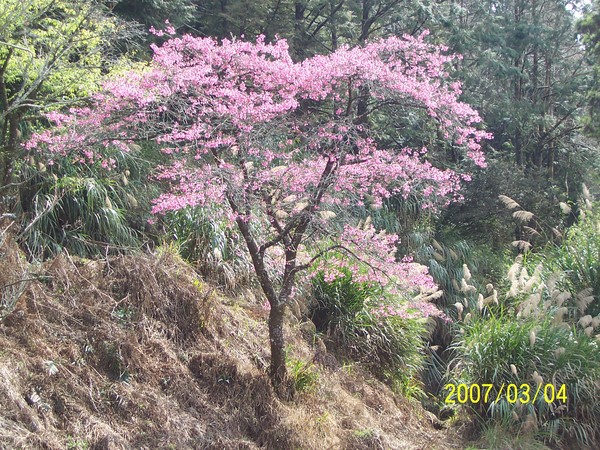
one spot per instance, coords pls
(299, 40)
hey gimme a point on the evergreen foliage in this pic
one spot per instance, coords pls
(155, 12)
(590, 27)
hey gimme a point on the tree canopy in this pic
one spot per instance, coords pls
(280, 146)
(52, 53)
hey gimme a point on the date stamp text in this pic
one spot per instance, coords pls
(513, 393)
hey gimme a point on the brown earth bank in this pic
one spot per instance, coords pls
(138, 352)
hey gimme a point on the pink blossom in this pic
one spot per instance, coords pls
(228, 115)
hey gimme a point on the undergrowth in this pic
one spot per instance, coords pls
(391, 347)
(211, 245)
(536, 343)
(87, 210)
(137, 351)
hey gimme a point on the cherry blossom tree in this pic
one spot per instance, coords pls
(283, 152)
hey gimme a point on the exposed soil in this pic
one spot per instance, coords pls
(138, 352)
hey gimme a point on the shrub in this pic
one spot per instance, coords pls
(389, 345)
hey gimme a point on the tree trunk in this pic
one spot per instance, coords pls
(333, 26)
(299, 39)
(278, 370)
(9, 153)
(518, 147)
(365, 21)
(223, 13)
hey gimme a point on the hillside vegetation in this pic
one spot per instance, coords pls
(140, 352)
(300, 224)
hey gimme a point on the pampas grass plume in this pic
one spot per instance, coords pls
(466, 273)
(523, 216)
(508, 202)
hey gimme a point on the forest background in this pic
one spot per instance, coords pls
(529, 68)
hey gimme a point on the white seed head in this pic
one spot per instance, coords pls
(326, 215)
(466, 272)
(459, 308)
(523, 216)
(508, 202)
(281, 214)
(566, 209)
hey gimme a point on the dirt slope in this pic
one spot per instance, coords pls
(137, 352)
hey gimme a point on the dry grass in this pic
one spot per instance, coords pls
(137, 352)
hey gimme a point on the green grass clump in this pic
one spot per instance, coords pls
(504, 350)
(303, 375)
(577, 257)
(390, 347)
(211, 244)
(84, 209)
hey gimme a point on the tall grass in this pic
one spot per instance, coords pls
(528, 340)
(577, 257)
(210, 244)
(390, 347)
(79, 208)
(502, 350)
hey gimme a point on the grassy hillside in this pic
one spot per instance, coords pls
(138, 352)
